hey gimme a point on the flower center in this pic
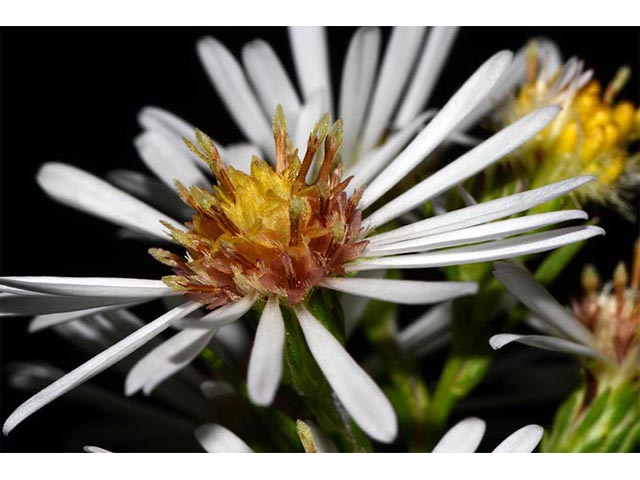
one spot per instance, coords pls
(270, 231)
(613, 313)
(590, 136)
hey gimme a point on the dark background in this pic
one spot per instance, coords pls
(72, 95)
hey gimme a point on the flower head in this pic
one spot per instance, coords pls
(264, 239)
(591, 136)
(270, 231)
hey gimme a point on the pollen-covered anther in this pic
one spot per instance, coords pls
(270, 231)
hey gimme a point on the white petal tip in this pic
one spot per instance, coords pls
(500, 340)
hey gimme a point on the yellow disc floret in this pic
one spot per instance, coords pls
(269, 231)
(592, 135)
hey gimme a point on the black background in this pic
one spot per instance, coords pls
(72, 95)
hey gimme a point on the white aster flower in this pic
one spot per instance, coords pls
(262, 207)
(465, 437)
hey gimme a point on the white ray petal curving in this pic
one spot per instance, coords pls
(526, 289)
(92, 286)
(546, 343)
(221, 316)
(432, 59)
(177, 352)
(475, 160)
(481, 213)
(426, 328)
(358, 74)
(405, 292)
(375, 160)
(485, 252)
(456, 109)
(311, 59)
(361, 397)
(97, 364)
(81, 190)
(167, 162)
(229, 80)
(265, 363)
(215, 438)
(158, 364)
(270, 80)
(464, 437)
(476, 234)
(524, 440)
(180, 359)
(399, 58)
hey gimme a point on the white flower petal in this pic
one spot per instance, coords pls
(43, 321)
(40, 304)
(265, 364)
(459, 106)
(96, 365)
(182, 355)
(426, 328)
(240, 155)
(526, 289)
(524, 440)
(398, 60)
(150, 191)
(432, 59)
(464, 437)
(310, 57)
(308, 116)
(166, 123)
(211, 389)
(475, 160)
(357, 305)
(157, 365)
(546, 343)
(359, 394)
(221, 316)
(406, 292)
(481, 213)
(485, 252)
(168, 163)
(173, 129)
(375, 160)
(177, 352)
(358, 74)
(234, 90)
(270, 80)
(92, 286)
(215, 438)
(92, 449)
(476, 234)
(78, 189)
